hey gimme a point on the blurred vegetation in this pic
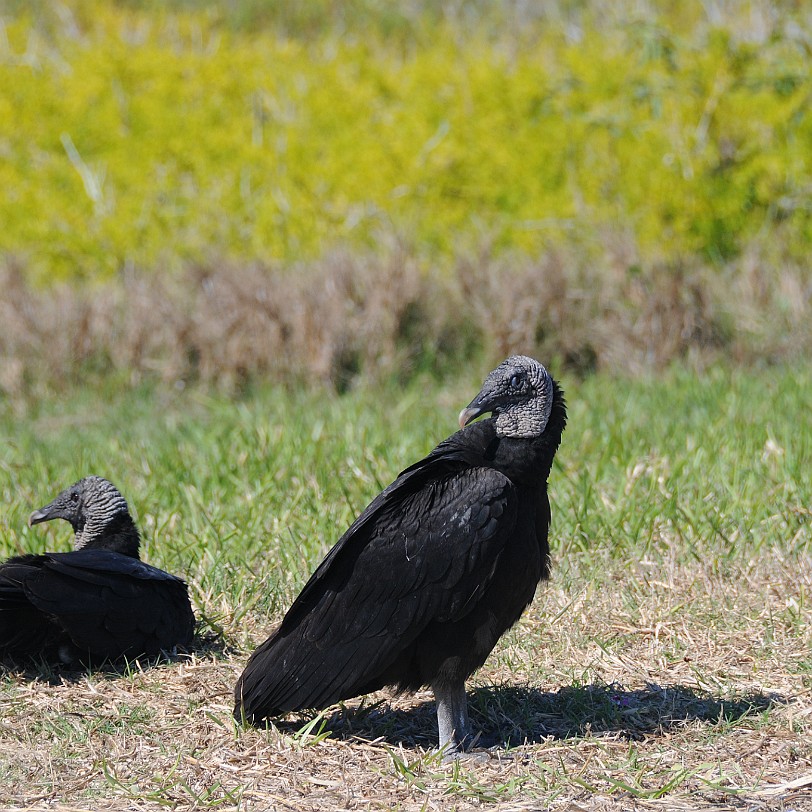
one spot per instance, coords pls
(150, 135)
(194, 190)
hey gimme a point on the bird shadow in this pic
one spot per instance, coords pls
(52, 671)
(512, 716)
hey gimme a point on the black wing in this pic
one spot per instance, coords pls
(423, 551)
(112, 605)
(24, 630)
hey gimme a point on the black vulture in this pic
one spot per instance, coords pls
(427, 579)
(98, 602)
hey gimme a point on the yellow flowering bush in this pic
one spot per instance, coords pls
(156, 138)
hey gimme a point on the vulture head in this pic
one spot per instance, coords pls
(96, 511)
(519, 394)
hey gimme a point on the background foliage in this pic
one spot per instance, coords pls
(196, 191)
(149, 137)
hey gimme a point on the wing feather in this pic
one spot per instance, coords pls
(23, 628)
(111, 605)
(422, 552)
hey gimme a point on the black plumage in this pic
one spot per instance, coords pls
(98, 602)
(425, 581)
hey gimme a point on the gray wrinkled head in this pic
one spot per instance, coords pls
(90, 505)
(519, 393)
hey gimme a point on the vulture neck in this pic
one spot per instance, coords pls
(525, 459)
(120, 535)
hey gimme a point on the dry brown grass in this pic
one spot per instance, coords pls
(689, 693)
(351, 315)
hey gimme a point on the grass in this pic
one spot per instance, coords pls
(666, 665)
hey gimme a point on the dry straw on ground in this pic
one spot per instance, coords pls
(690, 694)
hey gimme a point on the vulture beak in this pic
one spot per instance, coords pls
(38, 516)
(45, 514)
(469, 413)
(485, 402)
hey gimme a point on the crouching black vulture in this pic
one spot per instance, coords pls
(98, 602)
(426, 580)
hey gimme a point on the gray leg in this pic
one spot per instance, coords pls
(452, 718)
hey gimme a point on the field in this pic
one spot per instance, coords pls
(666, 665)
(256, 256)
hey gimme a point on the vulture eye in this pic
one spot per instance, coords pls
(74, 496)
(516, 381)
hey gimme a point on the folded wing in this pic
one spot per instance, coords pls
(422, 552)
(106, 604)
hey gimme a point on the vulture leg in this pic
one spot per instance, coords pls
(452, 718)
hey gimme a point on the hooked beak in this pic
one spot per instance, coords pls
(469, 413)
(38, 516)
(45, 514)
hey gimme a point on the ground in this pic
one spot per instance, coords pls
(667, 663)
(657, 710)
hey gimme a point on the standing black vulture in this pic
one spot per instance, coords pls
(98, 602)
(432, 573)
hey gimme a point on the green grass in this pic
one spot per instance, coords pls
(712, 465)
(668, 657)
